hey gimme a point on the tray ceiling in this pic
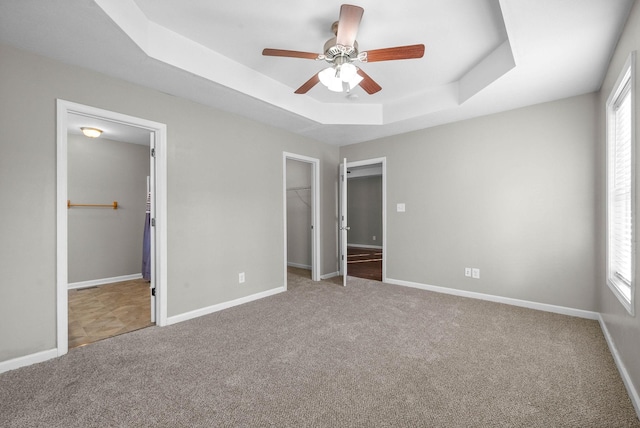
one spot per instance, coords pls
(482, 56)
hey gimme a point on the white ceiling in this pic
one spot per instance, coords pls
(482, 56)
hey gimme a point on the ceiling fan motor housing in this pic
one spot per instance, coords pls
(332, 51)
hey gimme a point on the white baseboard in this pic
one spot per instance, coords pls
(95, 282)
(27, 360)
(634, 395)
(329, 275)
(580, 313)
(224, 305)
(370, 247)
(298, 265)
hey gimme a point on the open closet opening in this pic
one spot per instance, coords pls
(111, 224)
(301, 212)
(299, 222)
(365, 240)
(109, 196)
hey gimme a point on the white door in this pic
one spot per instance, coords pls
(152, 229)
(343, 221)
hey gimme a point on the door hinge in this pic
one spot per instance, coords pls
(153, 291)
(153, 222)
(343, 257)
(153, 153)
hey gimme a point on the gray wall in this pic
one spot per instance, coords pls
(624, 329)
(217, 183)
(364, 210)
(299, 213)
(511, 194)
(103, 242)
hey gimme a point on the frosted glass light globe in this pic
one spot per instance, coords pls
(328, 78)
(347, 72)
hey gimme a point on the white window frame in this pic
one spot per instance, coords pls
(625, 292)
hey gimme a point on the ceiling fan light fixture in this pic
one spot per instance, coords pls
(336, 86)
(348, 72)
(341, 78)
(91, 132)
(328, 78)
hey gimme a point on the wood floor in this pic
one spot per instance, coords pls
(108, 310)
(364, 263)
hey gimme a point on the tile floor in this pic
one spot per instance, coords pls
(108, 310)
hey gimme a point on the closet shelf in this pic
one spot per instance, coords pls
(114, 205)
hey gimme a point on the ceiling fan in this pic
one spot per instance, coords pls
(341, 51)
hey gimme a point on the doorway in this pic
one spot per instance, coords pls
(301, 217)
(107, 243)
(365, 237)
(95, 211)
(363, 241)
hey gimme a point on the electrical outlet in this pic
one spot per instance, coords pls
(241, 277)
(374, 237)
(467, 272)
(475, 273)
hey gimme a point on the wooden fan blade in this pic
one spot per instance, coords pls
(308, 84)
(348, 24)
(368, 84)
(400, 52)
(289, 54)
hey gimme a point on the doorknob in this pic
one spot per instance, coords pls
(345, 228)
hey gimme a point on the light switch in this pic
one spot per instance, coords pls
(401, 208)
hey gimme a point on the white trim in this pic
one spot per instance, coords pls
(161, 247)
(299, 265)
(369, 247)
(28, 360)
(613, 284)
(62, 278)
(224, 305)
(64, 108)
(329, 275)
(383, 161)
(102, 281)
(343, 219)
(563, 310)
(315, 212)
(634, 395)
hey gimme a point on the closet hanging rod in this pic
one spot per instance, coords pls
(299, 188)
(114, 205)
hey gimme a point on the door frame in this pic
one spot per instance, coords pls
(159, 130)
(343, 226)
(315, 211)
(376, 161)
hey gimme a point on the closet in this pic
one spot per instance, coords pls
(108, 195)
(299, 215)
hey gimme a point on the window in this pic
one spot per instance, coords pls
(621, 188)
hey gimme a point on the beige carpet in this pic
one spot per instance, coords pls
(369, 355)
